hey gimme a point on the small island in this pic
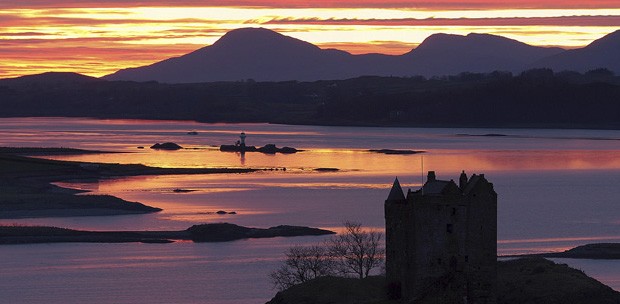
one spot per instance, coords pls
(219, 232)
(395, 152)
(267, 149)
(241, 147)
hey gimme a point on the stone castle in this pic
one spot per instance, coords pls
(442, 237)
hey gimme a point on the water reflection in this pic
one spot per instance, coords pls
(557, 188)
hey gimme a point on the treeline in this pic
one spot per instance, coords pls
(534, 98)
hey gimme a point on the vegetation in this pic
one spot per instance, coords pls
(356, 252)
(534, 98)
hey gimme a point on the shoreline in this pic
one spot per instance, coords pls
(594, 251)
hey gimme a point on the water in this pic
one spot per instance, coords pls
(557, 189)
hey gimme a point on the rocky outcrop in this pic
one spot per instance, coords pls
(166, 146)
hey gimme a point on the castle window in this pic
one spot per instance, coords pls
(449, 228)
(466, 258)
(453, 211)
(438, 261)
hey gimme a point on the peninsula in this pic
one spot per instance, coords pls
(27, 189)
(219, 232)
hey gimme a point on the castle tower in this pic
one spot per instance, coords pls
(442, 239)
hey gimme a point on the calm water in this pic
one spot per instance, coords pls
(557, 189)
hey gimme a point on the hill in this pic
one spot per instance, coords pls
(49, 78)
(532, 281)
(443, 54)
(601, 53)
(264, 55)
(259, 54)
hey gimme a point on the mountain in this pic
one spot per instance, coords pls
(259, 54)
(601, 53)
(264, 55)
(444, 54)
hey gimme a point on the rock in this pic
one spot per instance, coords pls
(268, 148)
(222, 212)
(166, 146)
(326, 169)
(192, 133)
(395, 152)
(182, 190)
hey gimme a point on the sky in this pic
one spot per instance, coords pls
(99, 37)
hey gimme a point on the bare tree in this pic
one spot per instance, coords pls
(356, 251)
(302, 264)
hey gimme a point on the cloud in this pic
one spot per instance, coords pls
(438, 4)
(517, 21)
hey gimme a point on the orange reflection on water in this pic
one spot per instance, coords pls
(484, 161)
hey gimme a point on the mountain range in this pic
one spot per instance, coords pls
(264, 55)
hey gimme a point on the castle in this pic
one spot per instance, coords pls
(442, 237)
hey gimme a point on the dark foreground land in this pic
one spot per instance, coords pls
(25, 185)
(221, 232)
(527, 280)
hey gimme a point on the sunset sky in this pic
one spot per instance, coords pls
(98, 37)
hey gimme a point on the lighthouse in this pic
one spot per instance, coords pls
(242, 139)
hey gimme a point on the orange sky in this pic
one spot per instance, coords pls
(98, 37)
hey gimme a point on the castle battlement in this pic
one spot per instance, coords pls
(443, 233)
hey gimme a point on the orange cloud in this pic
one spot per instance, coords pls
(439, 4)
(536, 21)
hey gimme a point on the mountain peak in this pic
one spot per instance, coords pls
(258, 37)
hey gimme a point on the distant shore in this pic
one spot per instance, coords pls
(221, 232)
(597, 251)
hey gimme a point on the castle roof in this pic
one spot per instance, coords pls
(435, 186)
(396, 194)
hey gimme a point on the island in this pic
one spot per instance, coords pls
(395, 152)
(218, 232)
(267, 149)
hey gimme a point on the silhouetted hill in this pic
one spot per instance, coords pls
(601, 53)
(443, 54)
(264, 55)
(49, 78)
(259, 54)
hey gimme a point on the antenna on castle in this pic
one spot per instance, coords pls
(422, 165)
